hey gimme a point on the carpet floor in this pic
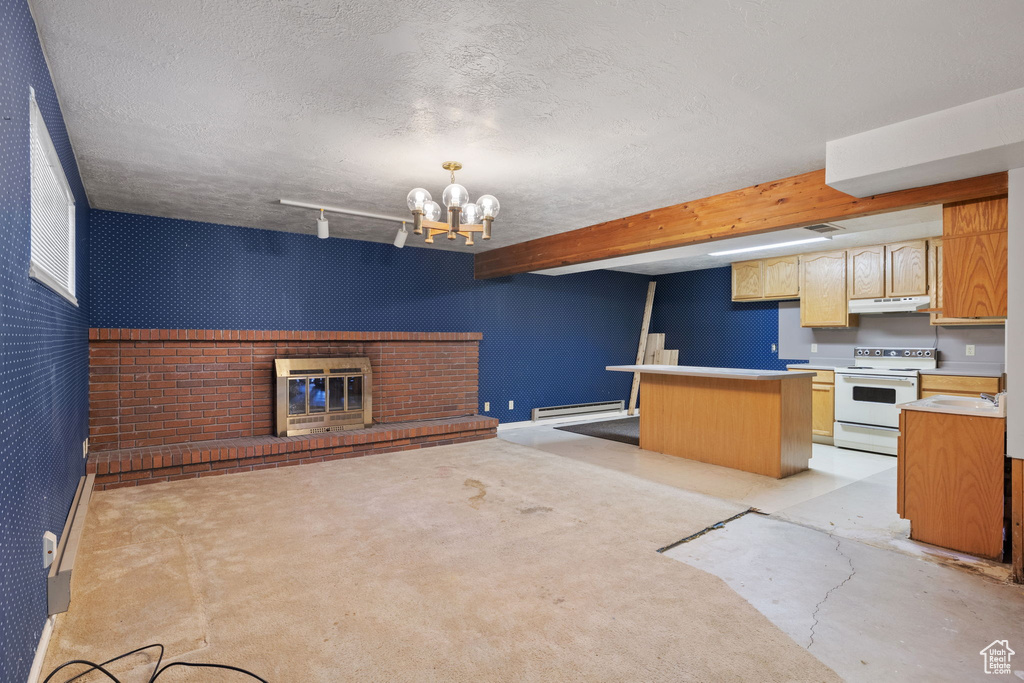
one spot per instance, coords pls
(626, 430)
(486, 561)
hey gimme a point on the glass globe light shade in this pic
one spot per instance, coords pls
(417, 198)
(432, 211)
(489, 206)
(455, 195)
(470, 215)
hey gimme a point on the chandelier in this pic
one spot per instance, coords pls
(464, 217)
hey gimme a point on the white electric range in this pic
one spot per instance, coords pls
(868, 393)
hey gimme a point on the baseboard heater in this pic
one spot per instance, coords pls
(577, 409)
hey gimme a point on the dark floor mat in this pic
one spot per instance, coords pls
(626, 430)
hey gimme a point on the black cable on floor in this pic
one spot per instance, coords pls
(157, 670)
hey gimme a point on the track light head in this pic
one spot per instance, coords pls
(322, 227)
(401, 236)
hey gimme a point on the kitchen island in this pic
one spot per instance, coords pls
(752, 420)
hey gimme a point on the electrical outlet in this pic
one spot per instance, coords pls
(49, 548)
(85, 448)
(775, 348)
(511, 405)
(970, 349)
(814, 348)
(487, 406)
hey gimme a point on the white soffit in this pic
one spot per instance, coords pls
(571, 113)
(973, 139)
(890, 227)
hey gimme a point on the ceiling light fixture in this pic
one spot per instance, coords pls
(402, 235)
(321, 227)
(464, 217)
(769, 246)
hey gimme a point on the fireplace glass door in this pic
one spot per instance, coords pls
(355, 393)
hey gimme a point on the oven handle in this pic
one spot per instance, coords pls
(875, 427)
(905, 380)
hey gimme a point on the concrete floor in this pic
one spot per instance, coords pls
(832, 564)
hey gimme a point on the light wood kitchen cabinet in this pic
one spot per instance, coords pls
(766, 279)
(823, 401)
(823, 290)
(747, 280)
(906, 268)
(950, 480)
(959, 385)
(935, 291)
(974, 262)
(866, 270)
(782, 277)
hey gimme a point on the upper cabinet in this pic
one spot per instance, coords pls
(899, 269)
(747, 280)
(906, 268)
(766, 279)
(974, 258)
(823, 287)
(782, 277)
(935, 290)
(866, 271)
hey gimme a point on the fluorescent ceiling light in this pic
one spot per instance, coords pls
(769, 246)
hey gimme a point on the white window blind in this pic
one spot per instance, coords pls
(52, 258)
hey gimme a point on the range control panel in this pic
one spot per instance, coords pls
(888, 352)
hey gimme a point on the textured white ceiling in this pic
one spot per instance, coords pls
(571, 113)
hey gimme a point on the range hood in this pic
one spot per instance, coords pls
(899, 304)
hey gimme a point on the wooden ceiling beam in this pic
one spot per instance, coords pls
(795, 202)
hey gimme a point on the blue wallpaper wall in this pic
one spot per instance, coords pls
(44, 354)
(696, 312)
(546, 339)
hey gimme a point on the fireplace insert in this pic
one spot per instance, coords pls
(323, 395)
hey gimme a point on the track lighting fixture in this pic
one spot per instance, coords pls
(321, 227)
(402, 235)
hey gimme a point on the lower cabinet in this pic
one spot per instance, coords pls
(823, 401)
(959, 385)
(950, 480)
(823, 408)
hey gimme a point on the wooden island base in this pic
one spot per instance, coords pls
(757, 422)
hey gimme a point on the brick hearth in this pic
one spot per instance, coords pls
(136, 466)
(174, 398)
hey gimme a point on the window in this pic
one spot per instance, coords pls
(52, 258)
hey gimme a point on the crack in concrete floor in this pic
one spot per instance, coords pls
(817, 608)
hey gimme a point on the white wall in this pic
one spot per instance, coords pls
(1015, 320)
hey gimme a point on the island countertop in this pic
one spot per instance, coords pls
(719, 373)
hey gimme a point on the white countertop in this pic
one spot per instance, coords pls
(698, 371)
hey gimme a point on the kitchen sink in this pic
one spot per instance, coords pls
(963, 405)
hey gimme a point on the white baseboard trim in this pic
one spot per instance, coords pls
(44, 642)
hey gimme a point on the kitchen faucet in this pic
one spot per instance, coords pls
(994, 400)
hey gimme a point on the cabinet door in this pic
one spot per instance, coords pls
(974, 276)
(747, 280)
(975, 216)
(906, 268)
(935, 287)
(823, 410)
(823, 300)
(866, 272)
(782, 277)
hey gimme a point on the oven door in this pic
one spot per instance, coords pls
(872, 399)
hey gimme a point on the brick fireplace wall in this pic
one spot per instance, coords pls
(150, 387)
